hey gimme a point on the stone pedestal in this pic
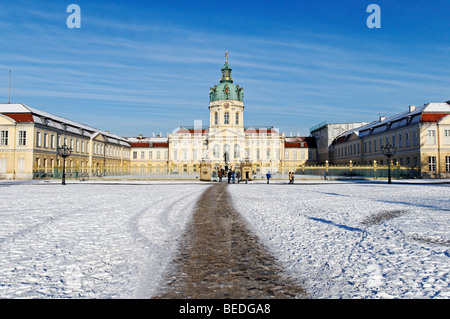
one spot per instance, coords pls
(246, 170)
(205, 171)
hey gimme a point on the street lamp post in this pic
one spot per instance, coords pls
(389, 151)
(64, 152)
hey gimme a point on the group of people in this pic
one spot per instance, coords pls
(232, 176)
(291, 177)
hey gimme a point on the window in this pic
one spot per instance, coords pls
(216, 151)
(375, 145)
(4, 137)
(393, 140)
(77, 146)
(407, 143)
(150, 155)
(158, 154)
(286, 154)
(52, 141)
(236, 151)
(415, 138)
(446, 136)
(237, 118)
(142, 155)
(226, 151)
(400, 142)
(135, 155)
(3, 165)
(258, 154)
(432, 163)
(216, 118)
(45, 139)
(38, 139)
(268, 154)
(226, 118)
(447, 163)
(431, 137)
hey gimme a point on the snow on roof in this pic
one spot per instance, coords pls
(44, 118)
(437, 107)
(397, 120)
(13, 108)
(147, 139)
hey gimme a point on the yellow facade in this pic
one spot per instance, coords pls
(29, 145)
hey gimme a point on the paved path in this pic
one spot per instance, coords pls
(220, 258)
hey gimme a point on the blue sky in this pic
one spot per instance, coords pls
(138, 67)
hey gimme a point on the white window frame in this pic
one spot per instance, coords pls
(432, 163)
(4, 138)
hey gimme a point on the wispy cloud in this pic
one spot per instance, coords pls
(163, 70)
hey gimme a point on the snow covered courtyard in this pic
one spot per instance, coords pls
(339, 240)
(349, 240)
(88, 240)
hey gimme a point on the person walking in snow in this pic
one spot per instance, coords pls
(233, 176)
(220, 176)
(268, 177)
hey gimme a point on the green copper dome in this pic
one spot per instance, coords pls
(226, 90)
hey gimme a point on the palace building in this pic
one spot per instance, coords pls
(30, 138)
(29, 141)
(421, 136)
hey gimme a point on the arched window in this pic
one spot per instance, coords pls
(236, 150)
(216, 151)
(216, 118)
(226, 118)
(226, 151)
(237, 118)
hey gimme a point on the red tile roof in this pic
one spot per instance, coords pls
(432, 117)
(20, 117)
(145, 144)
(140, 144)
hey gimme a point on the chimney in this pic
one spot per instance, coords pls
(382, 118)
(412, 108)
(141, 136)
(153, 134)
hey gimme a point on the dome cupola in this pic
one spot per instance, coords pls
(226, 89)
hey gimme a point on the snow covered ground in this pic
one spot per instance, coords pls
(89, 240)
(340, 240)
(355, 240)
